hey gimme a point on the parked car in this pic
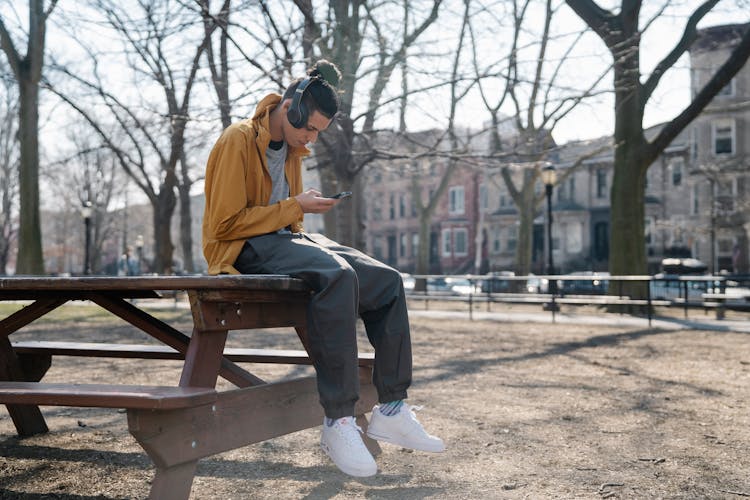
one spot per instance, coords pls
(536, 285)
(592, 283)
(495, 282)
(670, 283)
(463, 286)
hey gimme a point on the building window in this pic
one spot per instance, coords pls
(456, 200)
(377, 210)
(392, 207)
(512, 242)
(694, 197)
(402, 206)
(574, 237)
(377, 248)
(415, 244)
(402, 245)
(601, 183)
(446, 245)
(724, 197)
(676, 167)
(496, 240)
(572, 188)
(728, 90)
(483, 202)
(460, 237)
(722, 134)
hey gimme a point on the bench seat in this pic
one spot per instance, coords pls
(152, 351)
(105, 395)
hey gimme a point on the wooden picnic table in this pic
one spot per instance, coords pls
(180, 424)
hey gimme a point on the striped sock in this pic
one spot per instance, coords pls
(389, 409)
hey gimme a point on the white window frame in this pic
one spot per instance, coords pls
(446, 242)
(458, 251)
(456, 200)
(732, 136)
(677, 167)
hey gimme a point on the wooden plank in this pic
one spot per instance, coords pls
(238, 418)
(153, 351)
(203, 359)
(124, 283)
(105, 395)
(236, 313)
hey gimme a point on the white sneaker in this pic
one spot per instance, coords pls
(342, 442)
(403, 429)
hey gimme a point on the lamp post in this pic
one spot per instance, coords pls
(86, 212)
(549, 178)
(139, 251)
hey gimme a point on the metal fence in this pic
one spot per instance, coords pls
(708, 292)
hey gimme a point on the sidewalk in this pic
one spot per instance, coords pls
(604, 318)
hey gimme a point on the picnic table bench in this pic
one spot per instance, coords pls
(176, 424)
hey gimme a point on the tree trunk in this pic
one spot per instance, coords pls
(30, 259)
(186, 227)
(163, 247)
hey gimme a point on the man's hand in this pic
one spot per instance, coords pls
(312, 202)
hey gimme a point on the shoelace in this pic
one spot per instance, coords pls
(349, 437)
(413, 414)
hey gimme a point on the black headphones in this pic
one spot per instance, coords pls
(297, 113)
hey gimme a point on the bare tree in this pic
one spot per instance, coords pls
(538, 102)
(27, 70)
(339, 34)
(8, 165)
(154, 40)
(634, 153)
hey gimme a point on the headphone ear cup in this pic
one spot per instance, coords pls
(297, 112)
(293, 115)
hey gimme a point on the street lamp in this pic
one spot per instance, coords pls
(86, 212)
(139, 251)
(549, 178)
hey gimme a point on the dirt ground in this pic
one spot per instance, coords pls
(528, 410)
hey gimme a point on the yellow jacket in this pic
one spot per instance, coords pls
(238, 188)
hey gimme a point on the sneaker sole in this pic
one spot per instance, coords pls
(432, 449)
(351, 471)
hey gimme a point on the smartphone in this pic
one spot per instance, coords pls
(342, 194)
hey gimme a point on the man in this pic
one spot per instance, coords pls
(253, 224)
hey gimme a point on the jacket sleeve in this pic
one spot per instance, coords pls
(231, 210)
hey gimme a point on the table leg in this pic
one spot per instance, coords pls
(203, 358)
(28, 419)
(173, 482)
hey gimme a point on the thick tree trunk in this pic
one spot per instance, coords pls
(30, 259)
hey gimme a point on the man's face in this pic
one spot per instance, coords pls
(308, 134)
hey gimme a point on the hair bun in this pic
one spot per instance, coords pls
(327, 71)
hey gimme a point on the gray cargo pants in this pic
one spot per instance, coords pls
(346, 283)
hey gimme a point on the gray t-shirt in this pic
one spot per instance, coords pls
(280, 187)
(276, 159)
